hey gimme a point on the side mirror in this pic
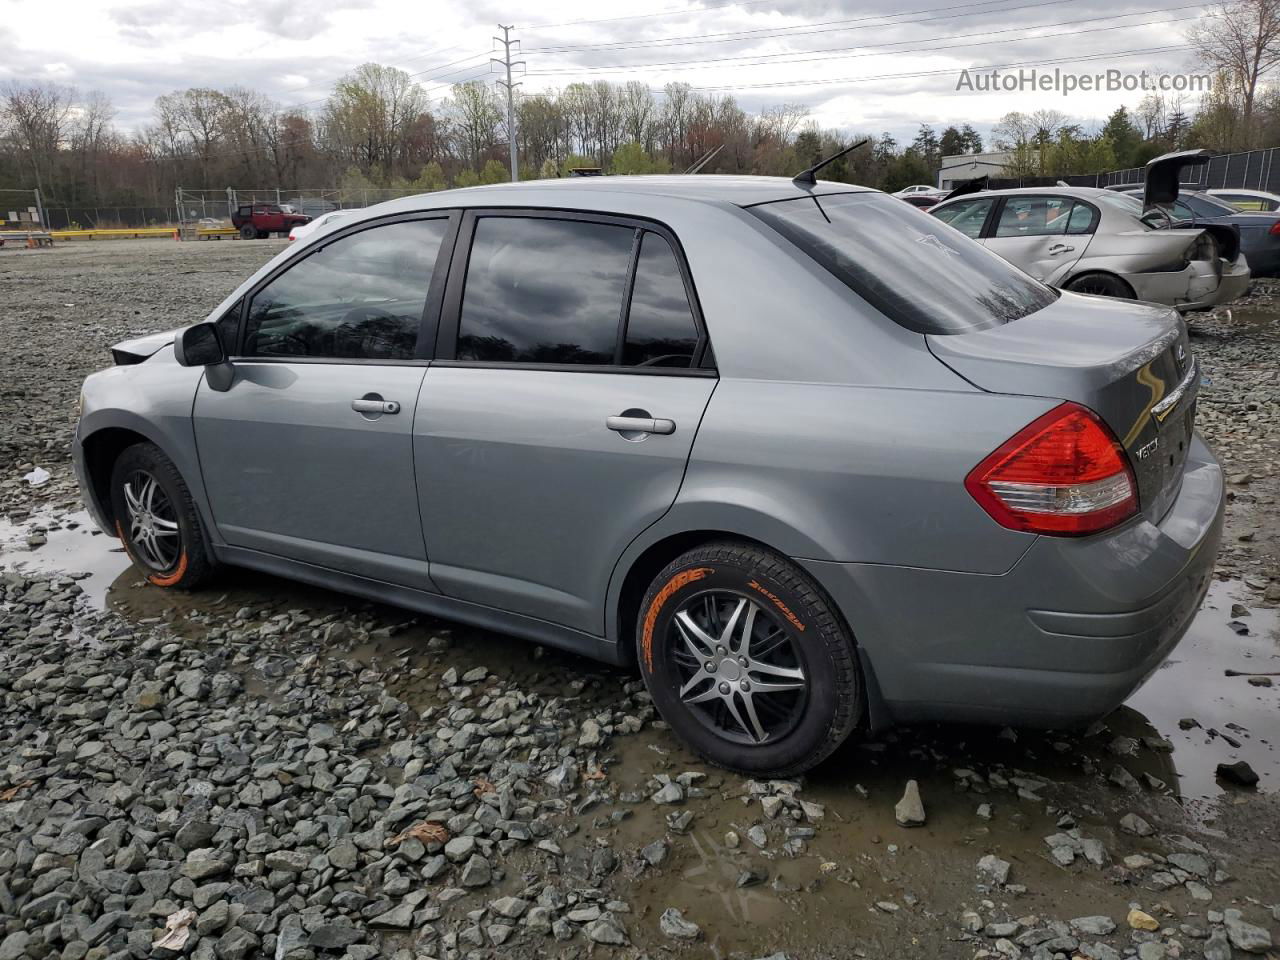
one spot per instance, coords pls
(199, 346)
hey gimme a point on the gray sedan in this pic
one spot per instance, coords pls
(1099, 241)
(803, 456)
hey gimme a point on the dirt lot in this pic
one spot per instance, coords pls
(277, 771)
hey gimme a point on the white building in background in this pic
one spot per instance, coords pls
(956, 169)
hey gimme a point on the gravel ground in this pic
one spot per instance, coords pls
(267, 770)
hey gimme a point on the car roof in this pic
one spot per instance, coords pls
(1083, 193)
(739, 190)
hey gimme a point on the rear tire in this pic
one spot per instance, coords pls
(248, 233)
(1103, 285)
(775, 701)
(156, 519)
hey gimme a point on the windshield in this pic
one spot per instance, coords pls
(919, 272)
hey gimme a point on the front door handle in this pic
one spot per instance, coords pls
(640, 425)
(372, 405)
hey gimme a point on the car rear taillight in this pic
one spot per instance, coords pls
(1275, 229)
(1064, 474)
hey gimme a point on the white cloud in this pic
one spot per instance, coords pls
(134, 50)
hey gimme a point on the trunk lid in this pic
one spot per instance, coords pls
(1128, 362)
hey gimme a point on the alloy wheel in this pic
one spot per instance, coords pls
(739, 668)
(153, 522)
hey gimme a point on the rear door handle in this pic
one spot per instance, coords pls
(366, 405)
(640, 425)
(1060, 248)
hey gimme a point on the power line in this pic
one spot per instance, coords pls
(842, 53)
(646, 16)
(1118, 55)
(799, 29)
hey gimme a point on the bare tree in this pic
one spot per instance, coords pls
(37, 116)
(1241, 39)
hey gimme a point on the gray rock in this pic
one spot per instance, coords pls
(655, 853)
(1134, 824)
(994, 869)
(335, 936)
(476, 872)
(606, 930)
(511, 908)
(1217, 947)
(399, 917)
(673, 924)
(909, 811)
(1192, 863)
(14, 946)
(1244, 935)
(290, 861)
(669, 793)
(1095, 926)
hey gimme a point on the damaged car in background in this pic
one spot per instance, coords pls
(1098, 241)
(1109, 243)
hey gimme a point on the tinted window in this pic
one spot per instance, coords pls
(660, 327)
(1205, 207)
(967, 216)
(1034, 217)
(918, 272)
(359, 297)
(544, 291)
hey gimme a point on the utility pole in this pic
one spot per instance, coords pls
(506, 62)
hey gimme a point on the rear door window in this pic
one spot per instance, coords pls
(915, 270)
(544, 291)
(1024, 216)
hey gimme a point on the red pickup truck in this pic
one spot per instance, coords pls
(260, 220)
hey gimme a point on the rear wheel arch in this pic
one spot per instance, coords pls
(1086, 275)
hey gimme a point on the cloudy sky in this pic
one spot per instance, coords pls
(870, 66)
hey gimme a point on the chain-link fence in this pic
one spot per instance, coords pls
(105, 218)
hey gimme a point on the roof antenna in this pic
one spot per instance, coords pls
(810, 175)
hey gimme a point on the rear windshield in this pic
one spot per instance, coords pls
(912, 267)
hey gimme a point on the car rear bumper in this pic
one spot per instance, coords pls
(1235, 281)
(1062, 638)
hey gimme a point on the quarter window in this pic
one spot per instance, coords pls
(967, 216)
(544, 291)
(661, 331)
(360, 297)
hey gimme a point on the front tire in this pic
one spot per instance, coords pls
(156, 519)
(748, 660)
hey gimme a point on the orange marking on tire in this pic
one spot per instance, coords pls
(681, 579)
(777, 602)
(171, 579)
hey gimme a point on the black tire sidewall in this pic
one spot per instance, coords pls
(148, 458)
(682, 582)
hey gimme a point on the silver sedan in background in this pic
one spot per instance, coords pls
(1101, 242)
